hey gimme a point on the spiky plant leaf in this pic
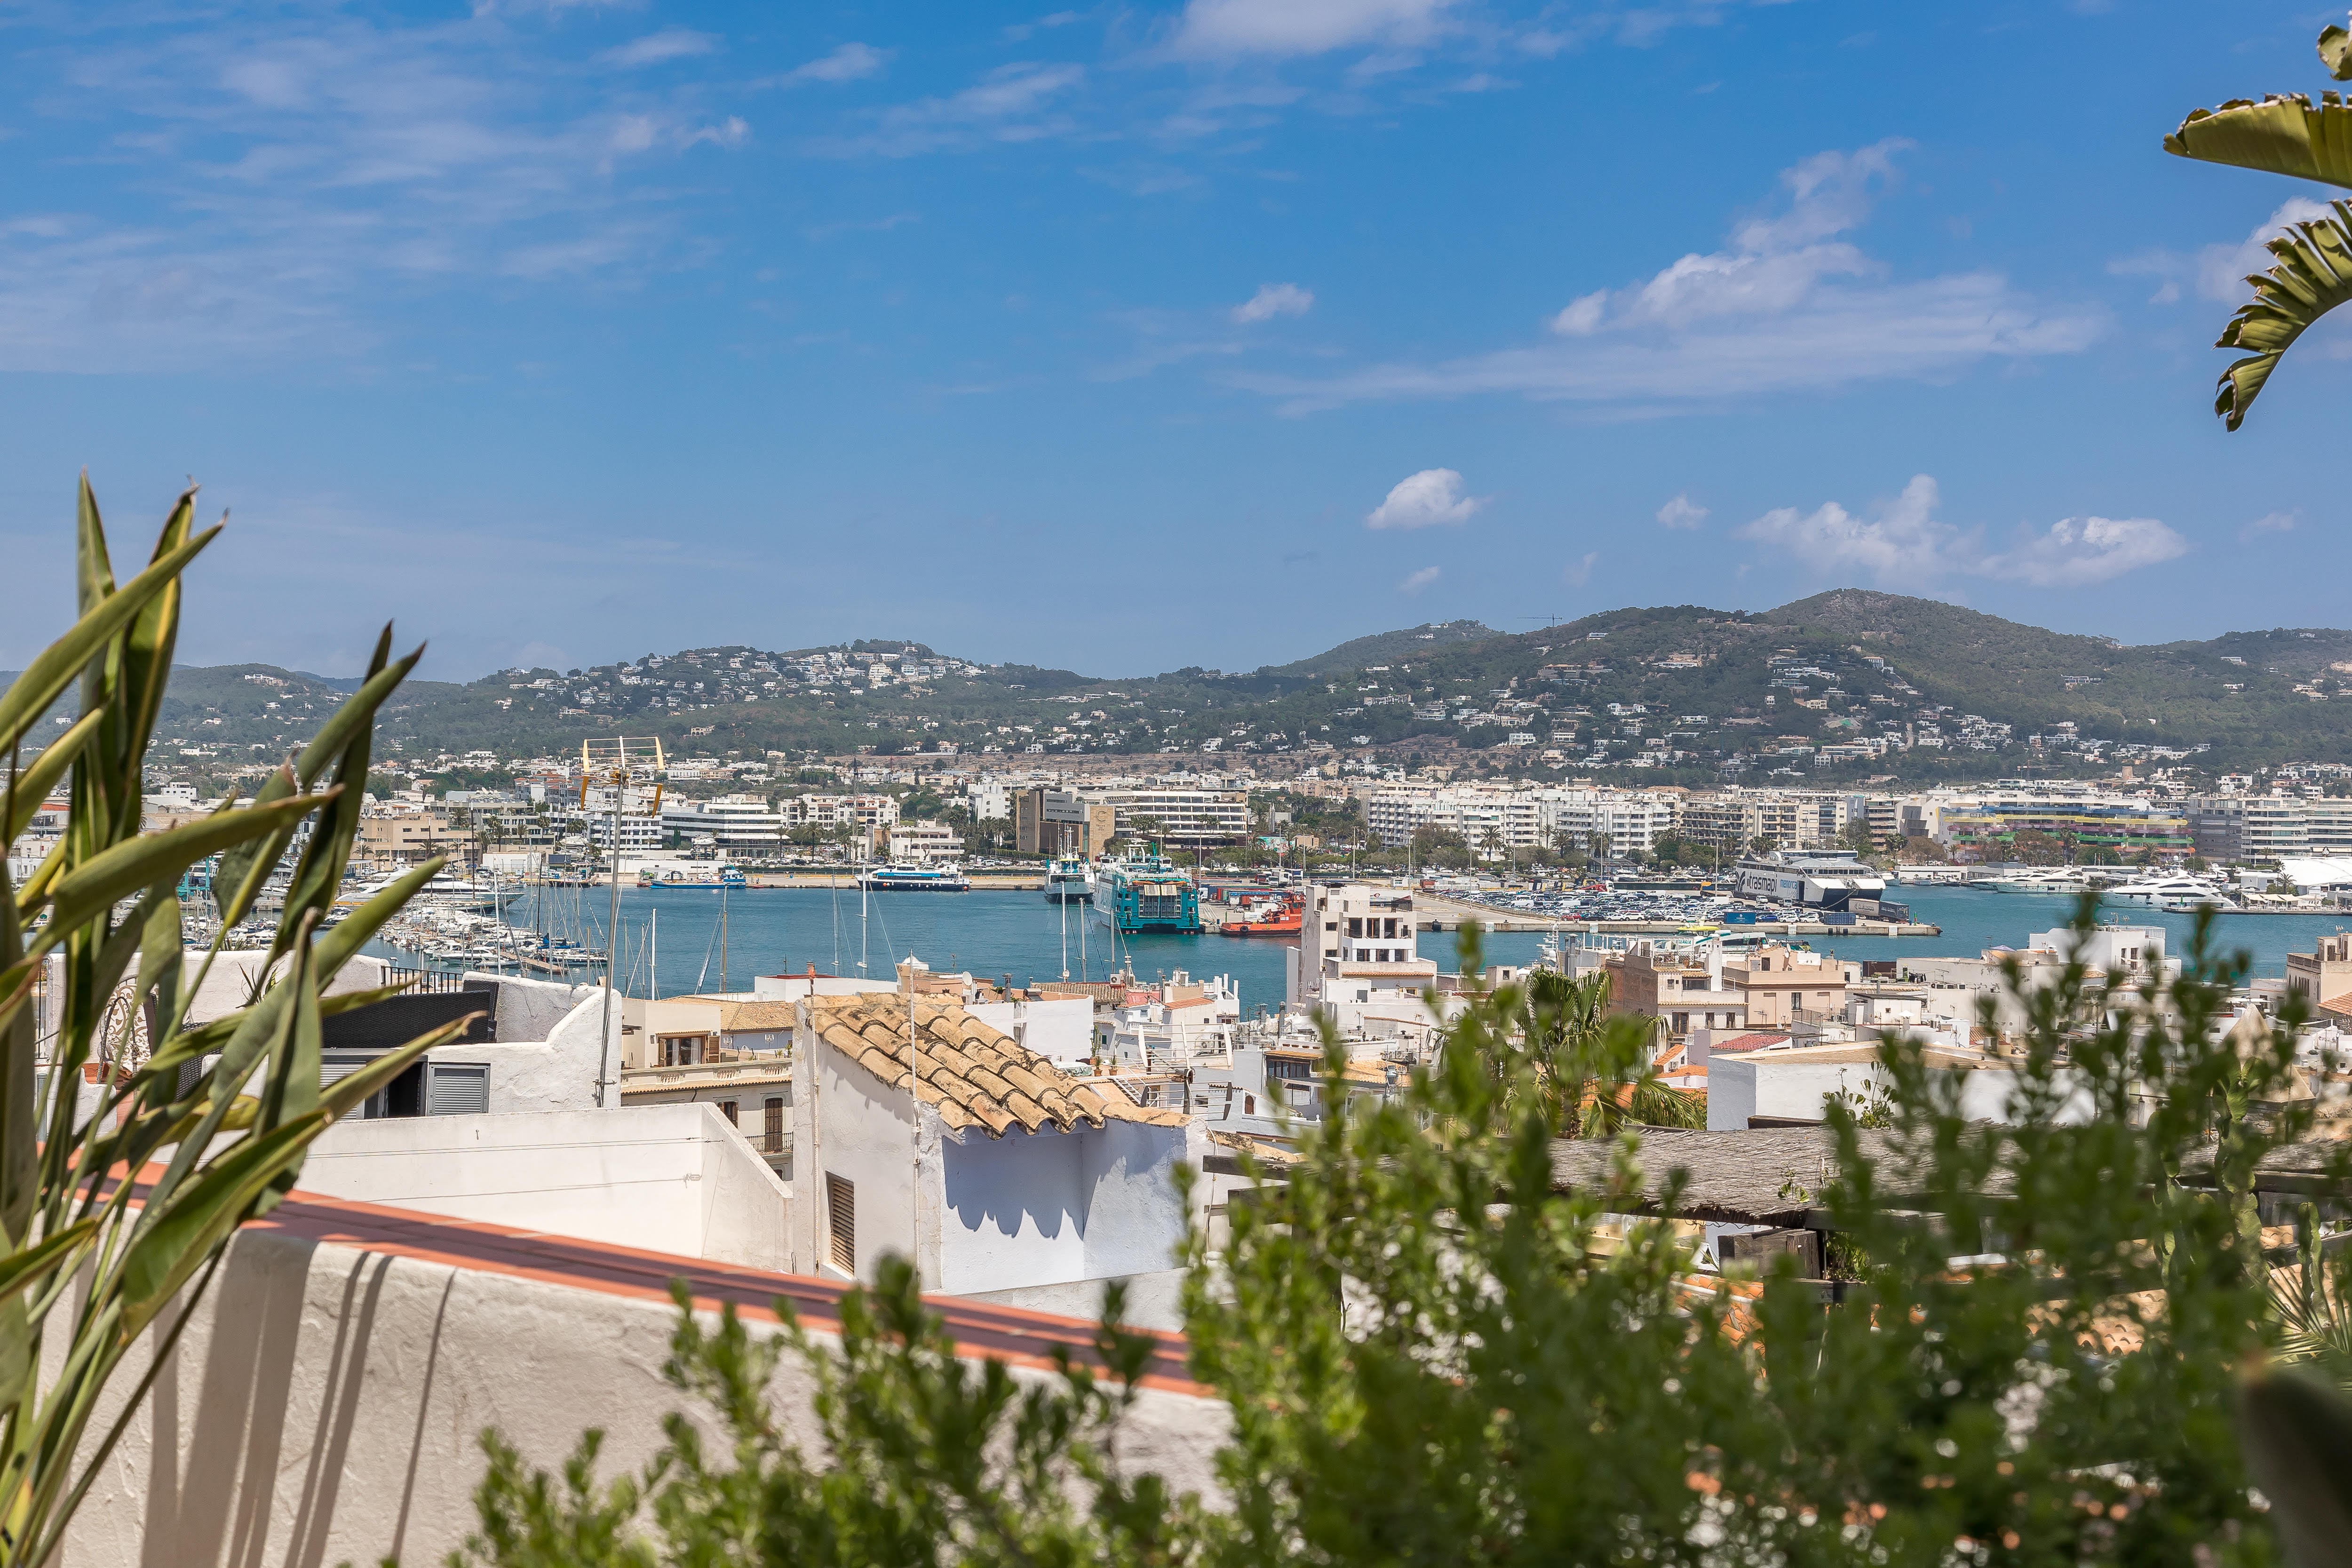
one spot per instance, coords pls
(2312, 277)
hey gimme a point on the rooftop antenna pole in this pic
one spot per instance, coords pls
(619, 757)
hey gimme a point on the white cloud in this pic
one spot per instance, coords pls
(1016, 102)
(1227, 29)
(2216, 271)
(1906, 546)
(1273, 300)
(670, 43)
(1580, 572)
(320, 171)
(1419, 580)
(2076, 551)
(1427, 500)
(1785, 307)
(851, 62)
(1681, 513)
(2269, 522)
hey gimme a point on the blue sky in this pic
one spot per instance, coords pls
(1137, 336)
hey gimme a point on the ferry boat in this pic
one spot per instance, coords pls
(1146, 893)
(1069, 882)
(903, 877)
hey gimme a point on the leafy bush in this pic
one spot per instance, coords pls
(1432, 1352)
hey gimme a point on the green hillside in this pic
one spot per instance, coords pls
(1929, 691)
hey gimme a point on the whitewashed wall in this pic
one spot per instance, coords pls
(666, 1178)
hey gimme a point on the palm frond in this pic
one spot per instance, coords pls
(2283, 134)
(2313, 276)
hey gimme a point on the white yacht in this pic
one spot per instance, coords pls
(2176, 890)
(2052, 881)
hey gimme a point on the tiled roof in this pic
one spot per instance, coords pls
(973, 1075)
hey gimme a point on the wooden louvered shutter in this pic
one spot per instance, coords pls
(841, 1221)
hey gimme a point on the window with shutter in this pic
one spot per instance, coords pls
(841, 1222)
(773, 1130)
(456, 1089)
(727, 1110)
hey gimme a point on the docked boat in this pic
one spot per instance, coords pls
(1284, 917)
(2036, 882)
(1146, 893)
(902, 877)
(2183, 892)
(1069, 882)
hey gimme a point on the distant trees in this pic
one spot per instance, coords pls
(2031, 847)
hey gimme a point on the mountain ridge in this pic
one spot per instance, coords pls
(1685, 691)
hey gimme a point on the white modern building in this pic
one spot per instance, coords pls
(922, 842)
(733, 821)
(1359, 958)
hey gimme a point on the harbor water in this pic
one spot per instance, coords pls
(995, 934)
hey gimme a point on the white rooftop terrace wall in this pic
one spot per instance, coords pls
(553, 1070)
(1059, 1029)
(325, 1405)
(666, 1178)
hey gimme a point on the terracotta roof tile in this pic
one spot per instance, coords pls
(968, 1073)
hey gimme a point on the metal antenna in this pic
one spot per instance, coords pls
(625, 761)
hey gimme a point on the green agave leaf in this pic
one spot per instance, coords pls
(34, 785)
(2289, 135)
(245, 869)
(211, 1036)
(355, 719)
(347, 1091)
(55, 667)
(94, 886)
(355, 930)
(2313, 276)
(2296, 1434)
(20, 1269)
(209, 1205)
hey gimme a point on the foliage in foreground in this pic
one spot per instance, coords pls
(2284, 134)
(76, 1251)
(1429, 1353)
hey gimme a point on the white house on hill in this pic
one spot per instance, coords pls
(918, 1128)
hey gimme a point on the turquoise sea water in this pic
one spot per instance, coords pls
(779, 931)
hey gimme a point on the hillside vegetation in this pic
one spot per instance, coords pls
(1677, 692)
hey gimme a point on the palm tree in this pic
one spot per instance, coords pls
(1591, 1074)
(2283, 135)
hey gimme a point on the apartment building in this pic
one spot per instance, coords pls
(830, 811)
(1061, 822)
(1781, 986)
(923, 841)
(1358, 957)
(1988, 822)
(1195, 815)
(1627, 819)
(407, 837)
(733, 821)
(2268, 826)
